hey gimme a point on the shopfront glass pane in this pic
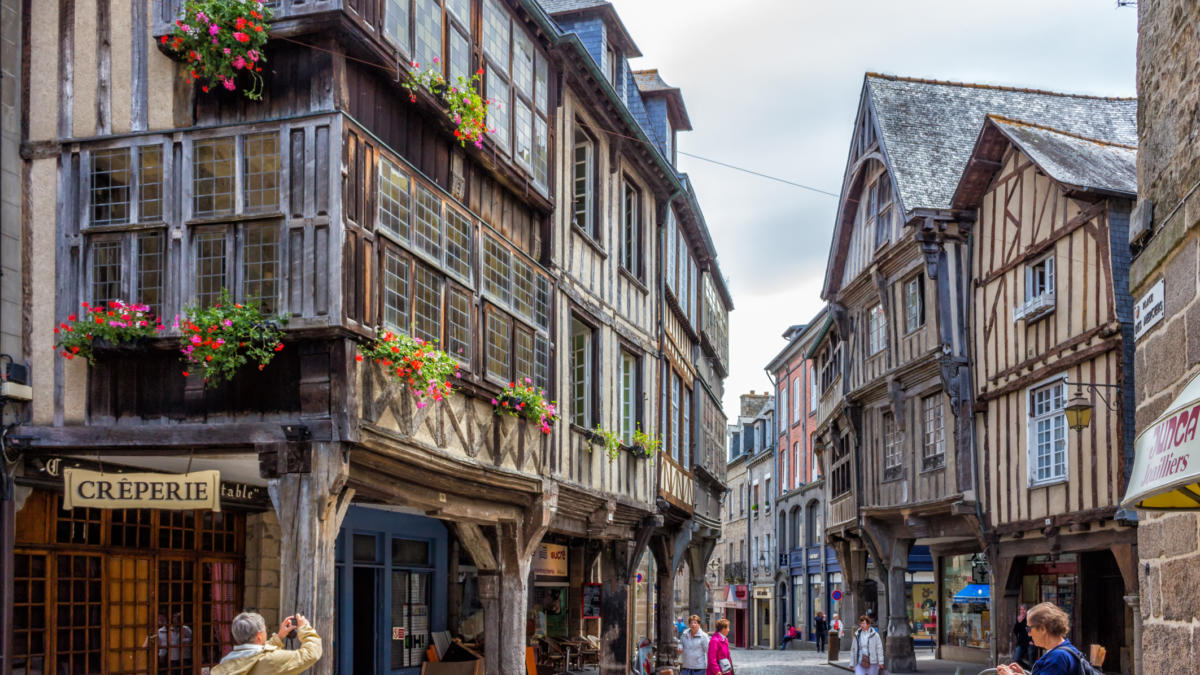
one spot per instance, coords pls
(922, 605)
(410, 552)
(816, 594)
(410, 614)
(965, 583)
(364, 548)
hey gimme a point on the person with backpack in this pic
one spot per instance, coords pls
(1048, 626)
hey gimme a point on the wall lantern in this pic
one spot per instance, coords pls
(1079, 408)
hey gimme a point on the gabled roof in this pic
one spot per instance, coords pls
(650, 83)
(1071, 160)
(623, 40)
(928, 128)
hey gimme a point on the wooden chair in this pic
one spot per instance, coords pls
(551, 656)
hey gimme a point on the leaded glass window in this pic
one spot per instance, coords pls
(106, 272)
(110, 187)
(394, 200)
(395, 291)
(427, 225)
(458, 323)
(427, 304)
(150, 203)
(499, 344)
(212, 176)
(261, 172)
(210, 257)
(260, 264)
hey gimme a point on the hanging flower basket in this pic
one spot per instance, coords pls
(645, 445)
(116, 326)
(465, 106)
(218, 340)
(528, 402)
(611, 440)
(427, 371)
(221, 43)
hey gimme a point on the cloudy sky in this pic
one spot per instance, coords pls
(773, 85)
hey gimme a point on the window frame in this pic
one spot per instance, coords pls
(632, 229)
(933, 431)
(893, 445)
(1048, 282)
(914, 303)
(1056, 417)
(234, 243)
(591, 197)
(136, 187)
(630, 410)
(876, 330)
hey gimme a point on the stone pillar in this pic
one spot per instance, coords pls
(614, 608)
(667, 638)
(1135, 605)
(516, 560)
(899, 655)
(489, 597)
(310, 499)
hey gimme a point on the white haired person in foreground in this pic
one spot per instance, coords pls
(256, 655)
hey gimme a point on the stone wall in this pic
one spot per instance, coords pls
(11, 295)
(262, 567)
(1168, 356)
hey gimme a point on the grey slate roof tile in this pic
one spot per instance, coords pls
(929, 128)
(559, 6)
(1074, 160)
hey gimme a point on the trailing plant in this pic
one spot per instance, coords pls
(611, 441)
(420, 365)
(466, 107)
(754, 507)
(527, 401)
(220, 339)
(650, 445)
(220, 41)
(115, 323)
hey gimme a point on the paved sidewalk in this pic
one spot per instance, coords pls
(927, 664)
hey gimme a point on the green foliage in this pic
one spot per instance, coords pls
(220, 41)
(650, 444)
(527, 401)
(419, 364)
(220, 339)
(611, 441)
(466, 107)
(117, 323)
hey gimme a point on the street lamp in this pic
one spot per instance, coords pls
(1079, 409)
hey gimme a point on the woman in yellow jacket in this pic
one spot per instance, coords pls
(256, 655)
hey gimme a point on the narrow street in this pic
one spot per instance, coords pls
(773, 661)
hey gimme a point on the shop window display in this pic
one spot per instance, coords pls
(922, 605)
(966, 580)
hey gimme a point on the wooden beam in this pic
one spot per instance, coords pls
(160, 439)
(443, 505)
(477, 545)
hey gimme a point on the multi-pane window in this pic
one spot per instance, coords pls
(427, 304)
(498, 112)
(1039, 278)
(151, 268)
(209, 252)
(496, 33)
(783, 407)
(892, 446)
(106, 272)
(839, 475)
(213, 176)
(150, 170)
(677, 435)
(395, 290)
(424, 32)
(797, 400)
(1048, 433)
(427, 222)
(880, 209)
(583, 183)
(631, 228)
(427, 29)
(460, 242)
(397, 23)
(831, 363)
(515, 282)
(523, 355)
(458, 323)
(260, 264)
(497, 269)
(914, 303)
(877, 327)
(499, 344)
(394, 200)
(687, 427)
(517, 79)
(630, 394)
(671, 237)
(581, 377)
(260, 176)
(934, 445)
(111, 178)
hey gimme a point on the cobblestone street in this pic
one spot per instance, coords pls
(772, 661)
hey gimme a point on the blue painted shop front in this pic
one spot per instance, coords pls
(391, 590)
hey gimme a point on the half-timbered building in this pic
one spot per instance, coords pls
(348, 205)
(900, 452)
(1051, 319)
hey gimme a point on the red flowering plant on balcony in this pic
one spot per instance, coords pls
(221, 41)
(218, 340)
(465, 106)
(420, 365)
(522, 399)
(100, 326)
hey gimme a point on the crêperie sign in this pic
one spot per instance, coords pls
(170, 491)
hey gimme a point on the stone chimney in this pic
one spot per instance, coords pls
(753, 403)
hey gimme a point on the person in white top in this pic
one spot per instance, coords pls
(866, 653)
(694, 643)
(836, 626)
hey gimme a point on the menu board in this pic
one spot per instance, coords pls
(591, 601)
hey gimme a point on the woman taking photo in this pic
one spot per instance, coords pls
(1048, 626)
(719, 661)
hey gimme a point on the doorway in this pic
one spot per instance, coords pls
(365, 611)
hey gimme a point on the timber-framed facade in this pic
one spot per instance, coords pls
(342, 202)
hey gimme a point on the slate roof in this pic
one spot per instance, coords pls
(1075, 160)
(929, 127)
(650, 80)
(560, 6)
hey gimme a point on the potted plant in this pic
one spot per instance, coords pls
(426, 370)
(115, 327)
(464, 105)
(528, 402)
(645, 445)
(220, 42)
(754, 508)
(220, 339)
(610, 439)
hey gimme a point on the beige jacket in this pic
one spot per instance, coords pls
(273, 659)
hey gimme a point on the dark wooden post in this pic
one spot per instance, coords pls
(311, 499)
(667, 640)
(8, 522)
(515, 565)
(614, 608)
(489, 595)
(898, 650)
(698, 556)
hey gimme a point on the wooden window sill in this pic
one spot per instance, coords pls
(587, 238)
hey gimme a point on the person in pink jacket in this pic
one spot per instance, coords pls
(718, 650)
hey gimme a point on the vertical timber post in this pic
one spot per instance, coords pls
(311, 499)
(614, 608)
(899, 655)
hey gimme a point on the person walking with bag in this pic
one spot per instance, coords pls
(719, 660)
(695, 648)
(821, 630)
(867, 651)
(1048, 627)
(1023, 647)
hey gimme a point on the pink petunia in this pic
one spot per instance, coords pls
(239, 63)
(196, 340)
(227, 323)
(214, 29)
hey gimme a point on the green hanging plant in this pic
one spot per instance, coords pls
(610, 439)
(650, 445)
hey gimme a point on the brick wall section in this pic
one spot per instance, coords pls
(262, 567)
(1168, 356)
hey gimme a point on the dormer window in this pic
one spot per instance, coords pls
(610, 57)
(879, 209)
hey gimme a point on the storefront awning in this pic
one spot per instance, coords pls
(978, 594)
(1166, 466)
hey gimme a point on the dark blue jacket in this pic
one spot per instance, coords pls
(1058, 661)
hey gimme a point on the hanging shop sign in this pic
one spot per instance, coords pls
(550, 561)
(1166, 466)
(195, 490)
(762, 592)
